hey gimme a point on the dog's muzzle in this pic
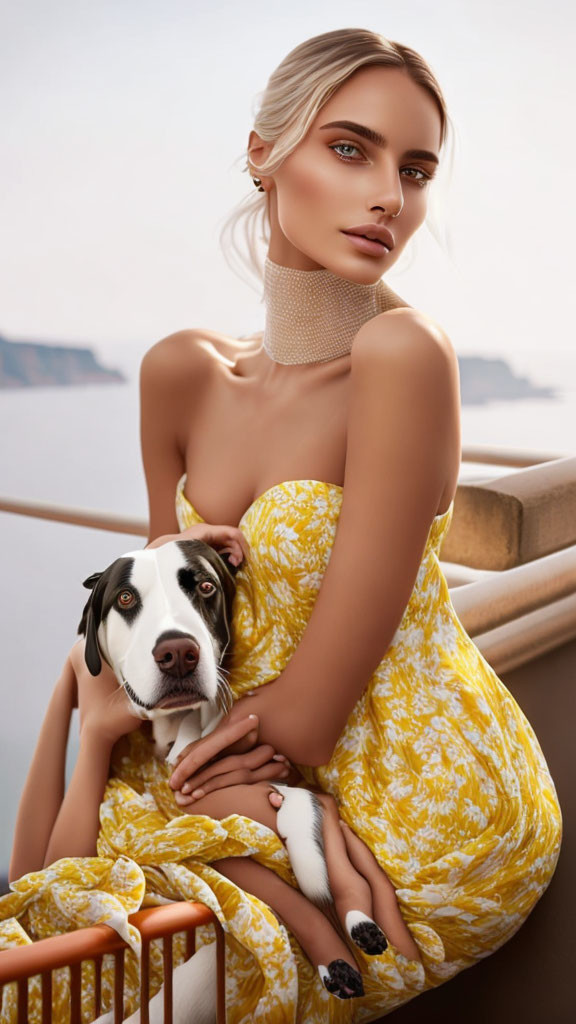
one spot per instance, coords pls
(177, 656)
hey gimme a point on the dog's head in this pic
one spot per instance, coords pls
(161, 619)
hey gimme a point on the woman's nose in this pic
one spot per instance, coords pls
(388, 195)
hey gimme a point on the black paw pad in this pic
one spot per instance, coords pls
(342, 980)
(369, 937)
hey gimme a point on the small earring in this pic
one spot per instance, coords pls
(258, 184)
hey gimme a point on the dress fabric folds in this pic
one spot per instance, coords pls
(438, 770)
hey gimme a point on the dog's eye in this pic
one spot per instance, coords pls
(125, 598)
(206, 588)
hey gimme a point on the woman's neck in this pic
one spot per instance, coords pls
(313, 316)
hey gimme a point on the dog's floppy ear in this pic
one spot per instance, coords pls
(92, 580)
(90, 583)
(89, 624)
(92, 650)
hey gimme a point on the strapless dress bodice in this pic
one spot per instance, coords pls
(290, 529)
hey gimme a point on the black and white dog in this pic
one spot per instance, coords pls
(160, 617)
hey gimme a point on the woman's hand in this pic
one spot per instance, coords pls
(246, 761)
(105, 710)
(224, 539)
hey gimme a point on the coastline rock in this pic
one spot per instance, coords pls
(485, 380)
(25, 364)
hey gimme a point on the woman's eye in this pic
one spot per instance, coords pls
(344, 145)
(425, 176)
(421, 180)
(125, 598)
(206, 588)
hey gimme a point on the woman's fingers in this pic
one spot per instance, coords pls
(240, 777)
(242, 543)
(224, 539)
(231, 540)
(201, 751)
(255, 758)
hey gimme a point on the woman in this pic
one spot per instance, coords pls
(331, 449)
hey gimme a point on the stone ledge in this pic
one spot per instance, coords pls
(514, 519)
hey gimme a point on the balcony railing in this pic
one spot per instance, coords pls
(20, 964)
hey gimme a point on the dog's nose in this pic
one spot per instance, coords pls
(177, 656)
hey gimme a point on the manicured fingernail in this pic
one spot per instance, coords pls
(198, 793)
(186, 787)
(252, 716)
(279, 757)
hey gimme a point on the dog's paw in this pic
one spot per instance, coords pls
(365, 933)
(341, 979)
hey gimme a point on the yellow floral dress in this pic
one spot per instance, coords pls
(437, 769)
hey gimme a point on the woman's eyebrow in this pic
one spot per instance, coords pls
(379, 140)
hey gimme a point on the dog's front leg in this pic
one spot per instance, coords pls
(299, 825)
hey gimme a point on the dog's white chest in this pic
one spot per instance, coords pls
(182, 728)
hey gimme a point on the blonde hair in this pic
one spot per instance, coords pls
(296, 91)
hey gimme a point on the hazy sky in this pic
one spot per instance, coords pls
(123, 125)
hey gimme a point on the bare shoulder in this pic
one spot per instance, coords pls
(175, 358)
(405, 334)
(192, 351)
(407, 346)
(403, 361)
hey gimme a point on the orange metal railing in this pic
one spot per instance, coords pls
(70, 950)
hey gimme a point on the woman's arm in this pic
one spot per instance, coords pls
(105, 716)
(44, 787)
(52, 824)
(404, 401)
(77, 825)
(171, 378)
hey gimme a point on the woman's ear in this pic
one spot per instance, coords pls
(258, 152)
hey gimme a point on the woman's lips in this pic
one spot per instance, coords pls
(373, 248)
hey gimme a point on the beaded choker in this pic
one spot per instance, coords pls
(313, 315)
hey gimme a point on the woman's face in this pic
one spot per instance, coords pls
(337, 179)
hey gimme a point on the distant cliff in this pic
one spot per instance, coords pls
(492, 380)
(25, 364)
